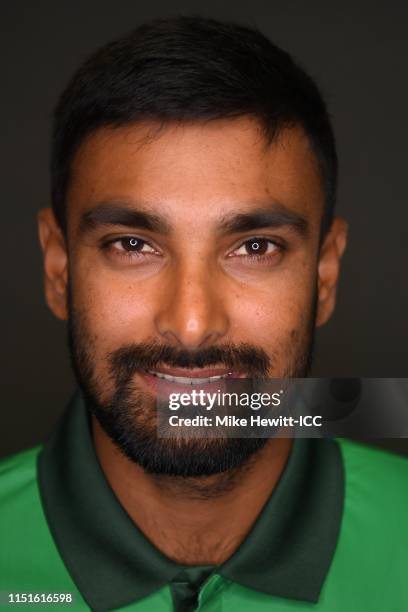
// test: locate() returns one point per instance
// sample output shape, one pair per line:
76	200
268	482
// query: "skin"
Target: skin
193	287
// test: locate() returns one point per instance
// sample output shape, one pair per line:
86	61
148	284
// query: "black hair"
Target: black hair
190	69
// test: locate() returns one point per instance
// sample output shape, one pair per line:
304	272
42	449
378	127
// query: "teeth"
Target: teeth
183	380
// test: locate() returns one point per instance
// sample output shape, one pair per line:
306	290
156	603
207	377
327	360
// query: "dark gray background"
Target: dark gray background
358	53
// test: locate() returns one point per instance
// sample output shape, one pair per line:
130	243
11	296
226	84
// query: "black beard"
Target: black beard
129	418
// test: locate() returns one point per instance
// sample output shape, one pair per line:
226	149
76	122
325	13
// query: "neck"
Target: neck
193	521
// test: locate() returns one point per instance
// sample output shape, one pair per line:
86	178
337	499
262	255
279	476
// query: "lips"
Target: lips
171	380
194	376
188	380
197	372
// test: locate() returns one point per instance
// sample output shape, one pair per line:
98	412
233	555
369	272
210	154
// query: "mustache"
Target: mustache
125	361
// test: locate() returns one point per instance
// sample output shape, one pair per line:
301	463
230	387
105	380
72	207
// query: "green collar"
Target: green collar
287	553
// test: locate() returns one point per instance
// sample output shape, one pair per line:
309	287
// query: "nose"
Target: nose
191	312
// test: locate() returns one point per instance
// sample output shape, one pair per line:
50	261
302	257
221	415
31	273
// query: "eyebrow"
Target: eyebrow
120	213
273	216
112	213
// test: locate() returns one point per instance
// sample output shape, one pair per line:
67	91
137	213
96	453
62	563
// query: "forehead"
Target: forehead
201	169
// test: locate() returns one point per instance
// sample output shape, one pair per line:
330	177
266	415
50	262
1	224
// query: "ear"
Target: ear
55	263
331	251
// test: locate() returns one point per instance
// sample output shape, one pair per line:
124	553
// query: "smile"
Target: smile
183	380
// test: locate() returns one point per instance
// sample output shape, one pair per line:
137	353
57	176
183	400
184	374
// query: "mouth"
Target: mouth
190	378
166	380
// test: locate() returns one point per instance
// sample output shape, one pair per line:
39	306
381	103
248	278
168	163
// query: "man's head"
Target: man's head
192	232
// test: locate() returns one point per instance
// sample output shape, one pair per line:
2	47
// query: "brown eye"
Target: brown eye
131	244
257	247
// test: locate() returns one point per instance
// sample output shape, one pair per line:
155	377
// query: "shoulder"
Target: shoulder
368	570
375	501
29	559
20	512
374	470
18	491
18	472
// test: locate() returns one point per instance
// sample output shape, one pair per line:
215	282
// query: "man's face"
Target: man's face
191	251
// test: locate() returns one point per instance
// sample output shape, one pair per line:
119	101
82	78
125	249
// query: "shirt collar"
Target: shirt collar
287	553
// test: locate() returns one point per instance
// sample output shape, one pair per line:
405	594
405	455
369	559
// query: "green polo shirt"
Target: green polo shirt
333	536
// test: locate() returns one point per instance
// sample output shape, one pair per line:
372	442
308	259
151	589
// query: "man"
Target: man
192	240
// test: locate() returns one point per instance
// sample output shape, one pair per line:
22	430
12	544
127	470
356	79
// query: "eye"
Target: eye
129	250
131	244
257	247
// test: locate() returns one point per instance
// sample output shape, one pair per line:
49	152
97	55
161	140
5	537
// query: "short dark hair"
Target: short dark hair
190	69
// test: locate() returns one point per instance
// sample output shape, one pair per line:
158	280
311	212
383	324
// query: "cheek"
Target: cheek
115	311
276	314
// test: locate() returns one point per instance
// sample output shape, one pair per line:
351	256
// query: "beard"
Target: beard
128	415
